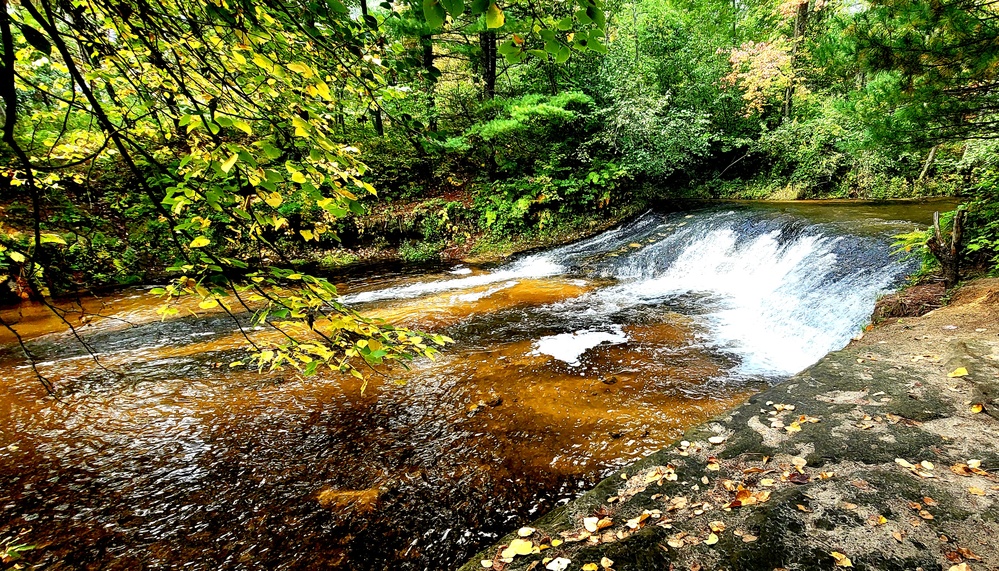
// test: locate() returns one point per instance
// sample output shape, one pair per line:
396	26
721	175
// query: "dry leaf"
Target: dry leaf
898	536
766	482
958	372
486	563
977	408
929	501
711	540
717	526
925	515
804	509
525	531
974	464
590	567
558	564
904	463
961	567
716	439
976	491
517	547
927	465
606	563
841	559
747	538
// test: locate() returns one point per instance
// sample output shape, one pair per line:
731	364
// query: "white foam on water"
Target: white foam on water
536	266
477	295
569	347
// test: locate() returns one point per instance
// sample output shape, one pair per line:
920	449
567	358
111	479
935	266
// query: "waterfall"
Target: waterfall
775	291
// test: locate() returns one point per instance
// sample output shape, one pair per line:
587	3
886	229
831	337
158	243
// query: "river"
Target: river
568	364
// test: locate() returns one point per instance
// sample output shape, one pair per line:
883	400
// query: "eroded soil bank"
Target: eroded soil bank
883	456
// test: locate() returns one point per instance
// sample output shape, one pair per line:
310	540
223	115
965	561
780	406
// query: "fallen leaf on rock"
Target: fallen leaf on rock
799	463
486	563
848	506
898	536
574	536
606	563
716	439
826	475
961	470
841	559
675	543
968	554
958	372
767	482
925	515
927	465
976	491
804	509
793	427
717	526
973	464
558	564
961	567
517	547
915	505
904	463
916	522
525	531
711	540
747	538
590	567
929	501
798	478
977	408
876	520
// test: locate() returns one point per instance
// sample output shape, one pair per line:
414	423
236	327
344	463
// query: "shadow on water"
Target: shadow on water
570	363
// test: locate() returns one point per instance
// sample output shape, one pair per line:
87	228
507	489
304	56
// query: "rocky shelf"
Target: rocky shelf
882	456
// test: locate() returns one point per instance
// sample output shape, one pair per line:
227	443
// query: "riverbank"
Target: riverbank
881	456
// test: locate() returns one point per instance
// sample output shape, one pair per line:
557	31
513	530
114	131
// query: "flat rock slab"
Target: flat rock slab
882	456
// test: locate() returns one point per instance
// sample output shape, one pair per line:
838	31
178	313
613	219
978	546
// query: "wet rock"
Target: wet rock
867	454
358	501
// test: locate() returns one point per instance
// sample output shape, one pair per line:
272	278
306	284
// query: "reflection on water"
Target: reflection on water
162	456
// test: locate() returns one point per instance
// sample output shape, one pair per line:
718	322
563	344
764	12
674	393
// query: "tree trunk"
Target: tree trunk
800	25
948	254
428	66
928	164
487	41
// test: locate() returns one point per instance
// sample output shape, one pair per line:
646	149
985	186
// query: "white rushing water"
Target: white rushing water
772	290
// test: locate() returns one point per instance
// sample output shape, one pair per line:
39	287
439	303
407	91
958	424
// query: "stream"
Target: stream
569	363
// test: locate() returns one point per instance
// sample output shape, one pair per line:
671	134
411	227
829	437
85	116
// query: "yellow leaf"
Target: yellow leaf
976	491
517	547
301	68
711	540
958	372
208	304
274	199
227	166
52	239
242	126
306	234
590	567
324	91
977	408
298	177
17	257
841	559
200	242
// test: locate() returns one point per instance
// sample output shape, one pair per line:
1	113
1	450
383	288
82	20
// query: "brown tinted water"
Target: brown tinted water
157	457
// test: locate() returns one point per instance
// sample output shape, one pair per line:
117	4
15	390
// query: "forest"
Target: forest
235	236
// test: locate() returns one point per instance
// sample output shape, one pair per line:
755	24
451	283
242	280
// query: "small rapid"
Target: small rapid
771	289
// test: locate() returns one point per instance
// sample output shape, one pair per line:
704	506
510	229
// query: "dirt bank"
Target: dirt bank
882	456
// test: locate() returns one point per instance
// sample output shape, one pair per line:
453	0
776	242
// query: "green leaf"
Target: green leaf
337	6
479	6
434	13
454	7
52	239
565	23
36	39
242	126
200	242
494	16
563	55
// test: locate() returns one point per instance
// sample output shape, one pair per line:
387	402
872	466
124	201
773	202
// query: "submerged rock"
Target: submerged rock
881	456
